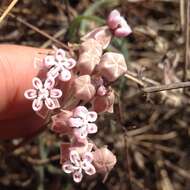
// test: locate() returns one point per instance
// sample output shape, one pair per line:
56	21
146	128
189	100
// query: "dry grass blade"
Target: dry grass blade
43	33
148	132
165	181
167	87
182	19
187	42
156	137
177	169
6	12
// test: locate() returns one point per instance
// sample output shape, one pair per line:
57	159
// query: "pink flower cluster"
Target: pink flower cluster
83	80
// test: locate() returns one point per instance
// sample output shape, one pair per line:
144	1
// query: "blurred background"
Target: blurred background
153	144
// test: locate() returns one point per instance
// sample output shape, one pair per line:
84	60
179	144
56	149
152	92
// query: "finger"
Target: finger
24	126
16	73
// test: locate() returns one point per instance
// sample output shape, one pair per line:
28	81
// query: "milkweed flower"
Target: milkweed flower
82	122
118	24
43	93
59	65
76	164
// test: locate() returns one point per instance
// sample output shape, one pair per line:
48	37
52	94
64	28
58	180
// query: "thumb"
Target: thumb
17	118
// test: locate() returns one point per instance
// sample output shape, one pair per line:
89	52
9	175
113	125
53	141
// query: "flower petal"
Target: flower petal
65	75
77	176
90	169
30	94
60	55
92	128
80	133
53	72
37	104
37	83
113	19
55	93
88	156
70	63
49	61
49	83
123	31
101	91
67	168
75	157
92	116
75	122
81	112
50	103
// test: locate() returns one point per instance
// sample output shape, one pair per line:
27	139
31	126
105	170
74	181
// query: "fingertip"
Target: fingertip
17	68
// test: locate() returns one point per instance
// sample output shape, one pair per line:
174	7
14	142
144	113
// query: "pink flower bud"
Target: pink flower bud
98	83
60	122
102	35
118	24
124	30
84	90
101	91
112	66
104	160
104	103
114	19
89	57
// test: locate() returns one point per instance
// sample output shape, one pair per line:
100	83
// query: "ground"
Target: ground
149	132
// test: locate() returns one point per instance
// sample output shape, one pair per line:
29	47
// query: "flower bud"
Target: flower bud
60	122
89	56
112	66
101	91
84	89
113	19
124	30
104	160
104	103
118	24
102	35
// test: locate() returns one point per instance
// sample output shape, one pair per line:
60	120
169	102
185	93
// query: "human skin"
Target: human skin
17	119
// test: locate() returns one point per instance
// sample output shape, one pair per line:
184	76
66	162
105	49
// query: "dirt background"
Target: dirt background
149	133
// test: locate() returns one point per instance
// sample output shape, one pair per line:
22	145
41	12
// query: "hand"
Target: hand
17	119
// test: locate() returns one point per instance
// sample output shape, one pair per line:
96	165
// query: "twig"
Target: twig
166	87
6	12
186	42
138	131
57	35
134	79
177	169
153	146
182	20
156	137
